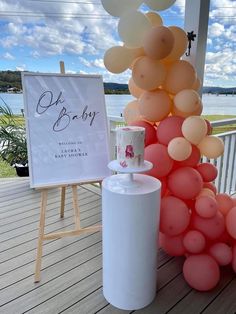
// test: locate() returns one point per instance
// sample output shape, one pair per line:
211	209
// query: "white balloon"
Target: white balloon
132	28
159	5
118	8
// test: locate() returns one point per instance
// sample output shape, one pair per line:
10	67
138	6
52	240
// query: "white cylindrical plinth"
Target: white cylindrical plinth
130	215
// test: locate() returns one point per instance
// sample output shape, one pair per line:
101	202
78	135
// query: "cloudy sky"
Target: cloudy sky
36	34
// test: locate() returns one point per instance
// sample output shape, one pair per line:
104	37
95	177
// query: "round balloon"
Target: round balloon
158	42
231	222
206	192
154	105
148	74
222	253
117	8
150	131
194	241
180	44
176	112
211	186
134	89
187	101
206	206
197	84
131	112
207	171
192	160
160	4
194	129
154	18
234	258
201	272
179	149
181	75
132	27
169	128
172	245
117	59
211	146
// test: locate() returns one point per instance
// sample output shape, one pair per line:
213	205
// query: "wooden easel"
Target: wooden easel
77	231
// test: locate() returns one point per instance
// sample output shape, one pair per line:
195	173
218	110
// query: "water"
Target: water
212	104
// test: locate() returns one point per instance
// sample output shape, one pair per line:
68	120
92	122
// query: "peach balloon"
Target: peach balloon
206	192
194	241
201	272
132	28
131	112
185	183
212	228
206	206
211	146
225	203
169	128
192	160
117	59
172	245
181	75
150	131
148	74
231	222
210	186
154	18
174	216
197	84
187	100
117	8
134	89
207	171
162	164
194	129
197	112
222	253
158	42
179	149
180	44
154	106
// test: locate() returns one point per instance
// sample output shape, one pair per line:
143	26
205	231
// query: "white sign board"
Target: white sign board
67	133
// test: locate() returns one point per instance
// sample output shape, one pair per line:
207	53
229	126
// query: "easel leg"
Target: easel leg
63	197
44	196
76	207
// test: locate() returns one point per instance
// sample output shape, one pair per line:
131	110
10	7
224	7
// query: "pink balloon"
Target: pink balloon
191	161
222	253
206	206
175	216
207	171
150	131
209	127
169	128
225	202
210	186
212	228
231	222
234	258
194	241
172	245
163	186
162	164
233	200
201	272
185	183
206	192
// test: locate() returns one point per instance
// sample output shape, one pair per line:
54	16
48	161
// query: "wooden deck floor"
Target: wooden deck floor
72	267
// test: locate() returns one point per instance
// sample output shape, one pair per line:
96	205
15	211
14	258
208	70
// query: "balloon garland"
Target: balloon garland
195	221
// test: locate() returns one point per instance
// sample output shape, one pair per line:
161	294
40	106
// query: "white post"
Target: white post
196	20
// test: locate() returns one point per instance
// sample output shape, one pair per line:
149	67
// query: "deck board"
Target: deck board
72	267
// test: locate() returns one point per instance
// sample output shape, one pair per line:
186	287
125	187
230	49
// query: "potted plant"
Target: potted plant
13	147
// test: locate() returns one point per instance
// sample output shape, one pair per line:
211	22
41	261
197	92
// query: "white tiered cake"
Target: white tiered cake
130	146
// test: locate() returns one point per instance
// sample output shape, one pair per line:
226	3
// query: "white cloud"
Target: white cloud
21	68
8	56
216	29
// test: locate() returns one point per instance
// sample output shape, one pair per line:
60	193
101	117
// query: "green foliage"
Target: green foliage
10	79
13	148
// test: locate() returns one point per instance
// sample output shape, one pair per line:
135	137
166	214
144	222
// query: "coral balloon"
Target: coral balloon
117	59
234	200
206	206
132	28
207	171
179	149
154	18
172	245
211	146
212	228
194	129
201	272
131	112
197	84
225	203
134	89
154	106
148	74
185	183
160	4
181	75
174	216
163	186
180	44
222	253
150	131
158	42
234	258
192	160
210	186
206	192
169	128
209	127
162	164
117	8
231	222
194	241
187	101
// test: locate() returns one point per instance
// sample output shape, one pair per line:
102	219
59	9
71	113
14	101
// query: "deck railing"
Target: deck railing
226	164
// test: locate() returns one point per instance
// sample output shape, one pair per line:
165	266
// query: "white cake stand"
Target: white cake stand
129	179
